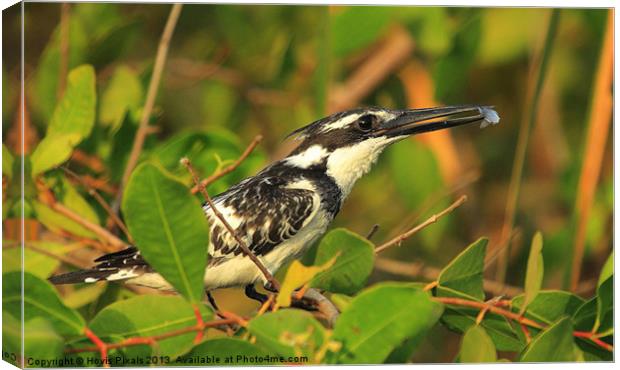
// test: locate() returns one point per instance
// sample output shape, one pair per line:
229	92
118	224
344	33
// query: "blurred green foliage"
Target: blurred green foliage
237	71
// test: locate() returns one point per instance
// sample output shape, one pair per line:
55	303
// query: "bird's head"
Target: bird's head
346	144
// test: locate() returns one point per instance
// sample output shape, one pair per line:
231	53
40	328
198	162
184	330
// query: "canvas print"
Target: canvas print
217	185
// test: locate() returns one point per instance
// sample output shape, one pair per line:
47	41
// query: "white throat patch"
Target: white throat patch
346	165
311	156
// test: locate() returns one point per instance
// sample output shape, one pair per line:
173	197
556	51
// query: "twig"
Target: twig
225	171
65	13
158	68
372	231
134	341
431	220
92	192
92	162
418	269
516	317
268	276
598	131
324	306
66	259
539	70
593	338
47	197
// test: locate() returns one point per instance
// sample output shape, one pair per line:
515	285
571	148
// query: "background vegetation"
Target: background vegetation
234	72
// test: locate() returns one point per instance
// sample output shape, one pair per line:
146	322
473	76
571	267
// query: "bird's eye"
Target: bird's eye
365	122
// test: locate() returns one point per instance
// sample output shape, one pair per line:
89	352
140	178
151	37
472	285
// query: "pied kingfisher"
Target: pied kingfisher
282	210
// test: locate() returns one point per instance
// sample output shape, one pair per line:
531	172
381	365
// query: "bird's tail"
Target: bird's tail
94	275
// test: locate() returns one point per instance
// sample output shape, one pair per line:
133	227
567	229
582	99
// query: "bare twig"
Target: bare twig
102	347
493	307
66	259
225	171
268	276
93	162
372	231
101	202
537	78
598	131
48	198
324	306
418	269
431	220
141	133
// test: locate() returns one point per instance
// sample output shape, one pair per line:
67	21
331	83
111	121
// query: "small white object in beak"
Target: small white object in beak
490	117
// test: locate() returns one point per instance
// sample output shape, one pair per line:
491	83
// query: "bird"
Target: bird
281	211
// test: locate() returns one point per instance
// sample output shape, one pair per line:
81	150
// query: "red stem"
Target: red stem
101	346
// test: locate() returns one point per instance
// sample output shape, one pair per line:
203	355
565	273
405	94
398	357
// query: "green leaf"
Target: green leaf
149	315
41	342
75	114
464	273
52	151
604	305
11	337
607	270
124	92
36	263
288	332
353	265
220	350
549	305
40	300
7	162
358	26
341	301
55	221
535	271
585	316
45	79
477	346
83	296
73	200
554	344
379	319
460	319
208	152
169	227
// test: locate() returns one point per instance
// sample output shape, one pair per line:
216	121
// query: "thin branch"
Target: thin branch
418	269
268	276
225	171
66	259
431	220
135	341
48	198
491	307
372	231
141	133
324	306
92	192
65	14
598	131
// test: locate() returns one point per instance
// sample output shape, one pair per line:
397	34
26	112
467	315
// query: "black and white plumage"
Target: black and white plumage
287	206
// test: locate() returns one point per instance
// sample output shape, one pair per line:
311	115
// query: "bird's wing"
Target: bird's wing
263	212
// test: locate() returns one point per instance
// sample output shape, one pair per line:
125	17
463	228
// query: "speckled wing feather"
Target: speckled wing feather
264	214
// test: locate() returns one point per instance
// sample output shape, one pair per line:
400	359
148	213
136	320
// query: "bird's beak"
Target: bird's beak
415	121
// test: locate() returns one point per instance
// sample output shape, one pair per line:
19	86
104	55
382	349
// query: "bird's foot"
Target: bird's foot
250	292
